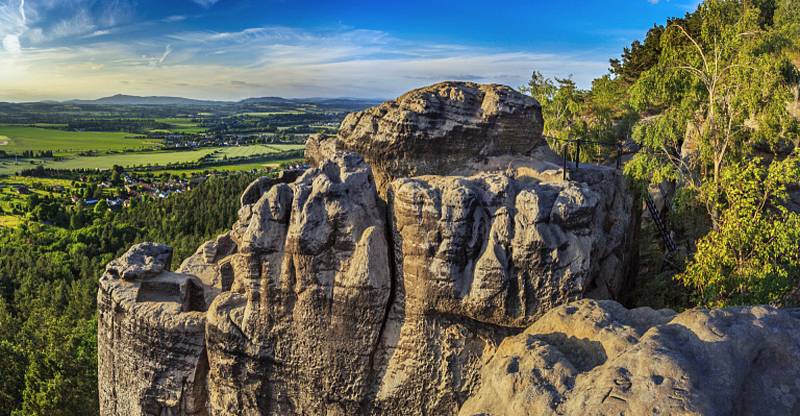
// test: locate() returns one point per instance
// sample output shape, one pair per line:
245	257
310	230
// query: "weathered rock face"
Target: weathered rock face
297	332
325	298
479	258
437	129
597	358
150	343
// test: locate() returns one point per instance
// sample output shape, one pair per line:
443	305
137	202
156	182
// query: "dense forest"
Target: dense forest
707	107
48	285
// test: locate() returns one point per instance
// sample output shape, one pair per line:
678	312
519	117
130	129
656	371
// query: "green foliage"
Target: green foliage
720	129
594	117
561	102
639	57
48	285
721	93
753	256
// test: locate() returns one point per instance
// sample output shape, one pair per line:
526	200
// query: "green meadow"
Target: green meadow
16	139
256	149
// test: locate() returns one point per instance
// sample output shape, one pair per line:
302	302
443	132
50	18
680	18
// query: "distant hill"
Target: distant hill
268	101
348	103
121	99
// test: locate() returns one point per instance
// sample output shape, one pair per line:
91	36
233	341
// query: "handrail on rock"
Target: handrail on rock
578	143
669	243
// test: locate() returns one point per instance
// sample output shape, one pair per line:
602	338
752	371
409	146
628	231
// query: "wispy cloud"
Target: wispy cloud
80	52
174	18
276	61
206	3
13	23
167	51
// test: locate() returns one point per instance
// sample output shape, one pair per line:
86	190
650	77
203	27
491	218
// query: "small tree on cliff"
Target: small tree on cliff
722	93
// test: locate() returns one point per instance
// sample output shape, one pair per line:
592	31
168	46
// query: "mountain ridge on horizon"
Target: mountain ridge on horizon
125	99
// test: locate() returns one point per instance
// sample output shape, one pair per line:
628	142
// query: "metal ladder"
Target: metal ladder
656	216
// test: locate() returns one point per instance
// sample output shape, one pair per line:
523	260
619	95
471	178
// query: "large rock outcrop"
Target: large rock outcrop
437	129
311	281
355	289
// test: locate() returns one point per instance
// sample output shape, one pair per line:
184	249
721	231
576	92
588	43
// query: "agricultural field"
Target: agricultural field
9	221
11	197
130	159
16	139
155	158
221	137
237	167
254	150
274	113
179	125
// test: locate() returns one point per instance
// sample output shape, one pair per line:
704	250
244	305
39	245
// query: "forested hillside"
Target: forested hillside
707	107
48	285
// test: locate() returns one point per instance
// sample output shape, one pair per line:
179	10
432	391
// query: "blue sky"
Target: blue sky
232	49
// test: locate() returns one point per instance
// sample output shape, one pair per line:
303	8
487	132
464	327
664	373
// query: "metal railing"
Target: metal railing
577	143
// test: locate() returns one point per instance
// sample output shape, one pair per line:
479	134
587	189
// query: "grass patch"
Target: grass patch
10	221
247	166
285	147
246	151
130	160
180	126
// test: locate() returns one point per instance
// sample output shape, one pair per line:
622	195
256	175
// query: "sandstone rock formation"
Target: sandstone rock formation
354	289
457	292
437	129
598	358
150	337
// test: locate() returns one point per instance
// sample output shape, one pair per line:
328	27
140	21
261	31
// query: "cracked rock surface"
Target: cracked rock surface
323	299
598	358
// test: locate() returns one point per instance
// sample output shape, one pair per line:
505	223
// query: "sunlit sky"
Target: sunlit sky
233	49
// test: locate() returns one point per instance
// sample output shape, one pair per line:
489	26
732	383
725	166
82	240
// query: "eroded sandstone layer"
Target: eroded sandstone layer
355	289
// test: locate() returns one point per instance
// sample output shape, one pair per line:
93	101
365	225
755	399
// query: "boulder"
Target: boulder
141	261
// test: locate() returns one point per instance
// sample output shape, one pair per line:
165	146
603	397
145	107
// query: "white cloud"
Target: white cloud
79	23
175	18
167	51
97	33
11	44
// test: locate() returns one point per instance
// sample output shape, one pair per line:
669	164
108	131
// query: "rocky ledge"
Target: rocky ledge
397	283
